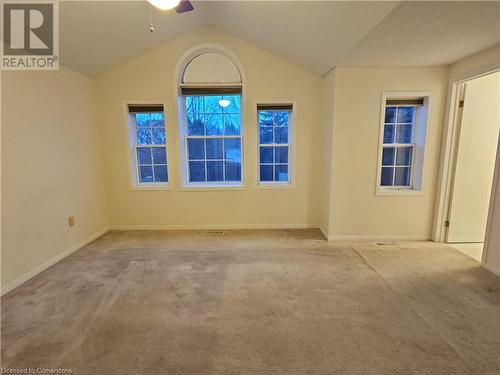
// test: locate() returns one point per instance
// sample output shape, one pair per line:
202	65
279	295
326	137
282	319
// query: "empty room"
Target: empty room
250	187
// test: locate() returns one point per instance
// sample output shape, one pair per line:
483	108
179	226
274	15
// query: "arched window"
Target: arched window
210	98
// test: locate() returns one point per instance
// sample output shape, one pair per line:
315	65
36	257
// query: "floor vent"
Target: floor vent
215	232
386	243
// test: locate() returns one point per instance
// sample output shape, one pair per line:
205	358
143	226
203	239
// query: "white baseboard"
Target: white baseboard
212	226
409	237
21	280
492	269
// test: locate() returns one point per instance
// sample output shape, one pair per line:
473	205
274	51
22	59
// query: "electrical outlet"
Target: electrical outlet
71	221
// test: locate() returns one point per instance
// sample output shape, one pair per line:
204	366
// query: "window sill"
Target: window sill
398	192
210	187
150	187
275	185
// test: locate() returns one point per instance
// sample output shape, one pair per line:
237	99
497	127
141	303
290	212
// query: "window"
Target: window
274	143
212	136
148	144
403	140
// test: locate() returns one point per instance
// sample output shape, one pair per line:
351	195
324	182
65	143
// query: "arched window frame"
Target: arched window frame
182	65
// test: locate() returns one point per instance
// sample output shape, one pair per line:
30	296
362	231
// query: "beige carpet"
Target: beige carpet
255	302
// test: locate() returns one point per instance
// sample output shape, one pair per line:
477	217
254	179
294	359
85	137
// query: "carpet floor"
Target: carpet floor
255	302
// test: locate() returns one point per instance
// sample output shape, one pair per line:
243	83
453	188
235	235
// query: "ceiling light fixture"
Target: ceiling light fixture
165	4
224	103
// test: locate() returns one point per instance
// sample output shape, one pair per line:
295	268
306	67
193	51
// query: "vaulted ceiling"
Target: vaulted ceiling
96	35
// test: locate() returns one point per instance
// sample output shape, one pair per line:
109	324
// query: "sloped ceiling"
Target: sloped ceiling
96	35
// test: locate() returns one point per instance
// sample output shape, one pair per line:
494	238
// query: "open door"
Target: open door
475	160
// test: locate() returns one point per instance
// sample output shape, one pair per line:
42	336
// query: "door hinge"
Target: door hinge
460	104
447	223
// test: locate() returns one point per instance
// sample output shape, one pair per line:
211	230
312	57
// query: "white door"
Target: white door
475	160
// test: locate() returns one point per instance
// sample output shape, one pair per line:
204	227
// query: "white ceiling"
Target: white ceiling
96	35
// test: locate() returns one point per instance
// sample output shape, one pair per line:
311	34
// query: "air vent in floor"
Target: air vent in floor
386	243
215	232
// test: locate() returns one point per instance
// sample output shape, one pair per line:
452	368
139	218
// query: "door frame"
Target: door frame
449	149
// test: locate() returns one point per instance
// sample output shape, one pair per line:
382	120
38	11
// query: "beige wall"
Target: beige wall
356	210
491	256
150	77
475	160
479	63
51	167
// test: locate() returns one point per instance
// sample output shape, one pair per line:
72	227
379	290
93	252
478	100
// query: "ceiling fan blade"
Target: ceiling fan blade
184	6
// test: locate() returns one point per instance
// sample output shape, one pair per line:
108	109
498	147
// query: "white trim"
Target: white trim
131	147
211	226
418	122
448	145
493	270
292	143
179	70
21	280
389	237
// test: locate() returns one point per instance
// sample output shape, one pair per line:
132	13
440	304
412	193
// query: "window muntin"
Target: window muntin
274	145
213	139
398	147
148	140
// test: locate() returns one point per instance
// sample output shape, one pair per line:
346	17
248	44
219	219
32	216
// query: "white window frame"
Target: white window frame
131	131
419	143
183	133
290	184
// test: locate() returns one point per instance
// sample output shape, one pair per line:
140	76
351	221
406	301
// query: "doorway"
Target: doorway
474	154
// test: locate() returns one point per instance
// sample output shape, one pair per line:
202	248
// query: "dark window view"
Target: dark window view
274	145
151	151
213	138
397	152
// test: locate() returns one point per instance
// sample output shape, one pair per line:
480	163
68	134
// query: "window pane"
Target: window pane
232	125
266	135
266	173
388	134
405	114
144	155
146	174
142	119
266	154
387	174
195	105
197	171
390	115
158	136
403	156
212	104
157	119
159	155
144	136
388	156
160	173
215	171
195	126
234	104
232	148
403	134
196	149
402	177
214	148
233	171
281	134
266	118
213	124
281	118
281	173
281	154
